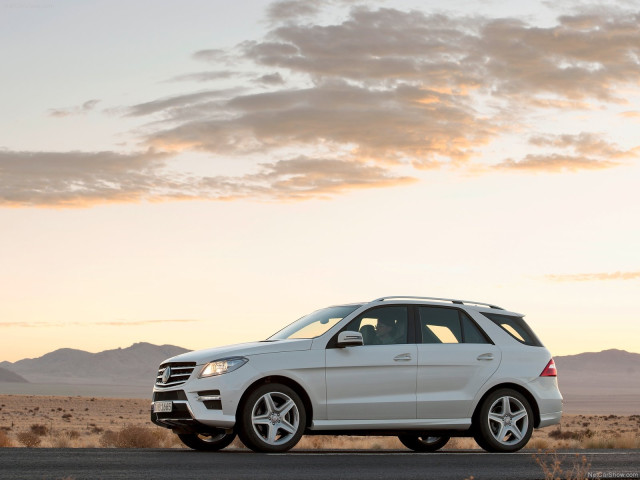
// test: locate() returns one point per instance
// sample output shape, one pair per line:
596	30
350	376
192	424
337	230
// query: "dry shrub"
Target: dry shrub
553	468
5	441
38	429
29	439
61	441
108	439
132	437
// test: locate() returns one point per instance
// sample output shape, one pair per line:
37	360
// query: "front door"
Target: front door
375	381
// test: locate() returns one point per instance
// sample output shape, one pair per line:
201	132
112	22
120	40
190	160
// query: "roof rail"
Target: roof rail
452	300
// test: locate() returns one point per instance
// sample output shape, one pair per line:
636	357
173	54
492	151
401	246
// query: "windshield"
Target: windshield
315	324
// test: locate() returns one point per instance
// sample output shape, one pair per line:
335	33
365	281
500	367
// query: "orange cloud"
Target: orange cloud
588	277
117	323
586	151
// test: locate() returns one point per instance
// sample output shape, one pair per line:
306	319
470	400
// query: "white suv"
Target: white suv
424	369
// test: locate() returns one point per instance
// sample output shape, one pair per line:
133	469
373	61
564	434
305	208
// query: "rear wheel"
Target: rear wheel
273	419
423	443
208	442
504	422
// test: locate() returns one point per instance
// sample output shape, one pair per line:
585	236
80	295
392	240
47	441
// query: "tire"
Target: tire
272	419
504	422
423	443
207	442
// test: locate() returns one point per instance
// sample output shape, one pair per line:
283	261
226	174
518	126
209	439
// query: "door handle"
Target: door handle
403	357
485	356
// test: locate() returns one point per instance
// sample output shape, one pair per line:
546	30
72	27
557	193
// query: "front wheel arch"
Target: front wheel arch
306	401
513	386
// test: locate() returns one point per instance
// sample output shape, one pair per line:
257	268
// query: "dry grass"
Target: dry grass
132	436
82	422
554	469
5	441
625	441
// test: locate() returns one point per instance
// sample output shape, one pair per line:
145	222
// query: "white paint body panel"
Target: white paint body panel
450	375
397	387
374	382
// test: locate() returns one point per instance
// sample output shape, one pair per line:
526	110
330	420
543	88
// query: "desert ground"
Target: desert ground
68	422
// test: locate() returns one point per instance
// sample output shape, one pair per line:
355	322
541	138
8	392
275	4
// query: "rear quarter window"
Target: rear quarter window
516	327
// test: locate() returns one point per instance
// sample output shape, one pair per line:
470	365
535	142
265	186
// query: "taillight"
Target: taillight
550	370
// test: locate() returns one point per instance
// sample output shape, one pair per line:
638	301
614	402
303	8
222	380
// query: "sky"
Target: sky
202	173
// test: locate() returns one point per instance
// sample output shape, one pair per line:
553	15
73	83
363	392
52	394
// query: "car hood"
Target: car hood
243	349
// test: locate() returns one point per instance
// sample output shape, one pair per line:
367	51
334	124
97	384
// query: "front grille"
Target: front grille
180	373
168	396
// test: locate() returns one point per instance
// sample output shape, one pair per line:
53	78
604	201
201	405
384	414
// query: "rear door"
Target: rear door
455	358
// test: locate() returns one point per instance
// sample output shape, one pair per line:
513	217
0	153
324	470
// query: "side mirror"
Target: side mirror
349	339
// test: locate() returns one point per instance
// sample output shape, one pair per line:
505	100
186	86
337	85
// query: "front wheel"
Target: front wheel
207	442
504	422
419	443
273	419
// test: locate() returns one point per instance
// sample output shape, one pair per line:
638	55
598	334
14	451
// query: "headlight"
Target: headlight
224	365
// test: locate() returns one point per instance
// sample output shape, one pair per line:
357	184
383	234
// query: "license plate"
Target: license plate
159	407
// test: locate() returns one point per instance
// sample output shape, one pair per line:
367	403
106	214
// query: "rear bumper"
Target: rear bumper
549	399
547	419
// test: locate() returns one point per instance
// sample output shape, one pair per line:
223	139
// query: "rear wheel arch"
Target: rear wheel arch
306	401
513	386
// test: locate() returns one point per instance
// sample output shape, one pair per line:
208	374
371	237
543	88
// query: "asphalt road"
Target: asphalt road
77	464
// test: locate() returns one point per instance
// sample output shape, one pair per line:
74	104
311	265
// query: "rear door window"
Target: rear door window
448	325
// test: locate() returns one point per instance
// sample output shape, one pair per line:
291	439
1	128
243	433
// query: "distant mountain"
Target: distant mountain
616	371
11	377
606	359
606	382
134	365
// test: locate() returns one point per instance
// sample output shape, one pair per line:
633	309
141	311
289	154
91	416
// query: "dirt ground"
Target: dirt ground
49	421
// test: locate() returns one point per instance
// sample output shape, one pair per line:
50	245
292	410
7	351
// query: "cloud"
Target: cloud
205	76
399	124
80	179
83	109
630	114
584	144
302	178
409	88
210	55
83	179
367	97
555	163
587	277
119	323
585	151
271	79
286	10
584	56
132	323
169	105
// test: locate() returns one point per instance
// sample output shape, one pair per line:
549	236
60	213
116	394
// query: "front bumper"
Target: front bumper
199	404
